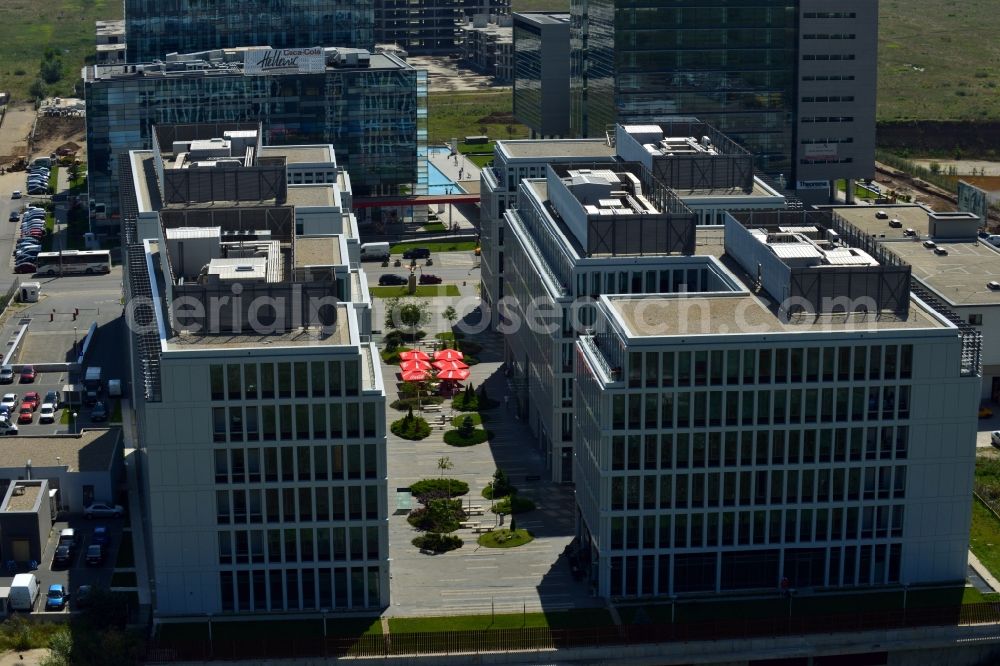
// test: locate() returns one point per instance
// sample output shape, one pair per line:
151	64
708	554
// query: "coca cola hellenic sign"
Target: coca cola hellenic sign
283	61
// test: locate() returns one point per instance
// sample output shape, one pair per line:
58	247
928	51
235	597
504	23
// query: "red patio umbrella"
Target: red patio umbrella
414	375
448	355
450	365
415	364
457	374
414	354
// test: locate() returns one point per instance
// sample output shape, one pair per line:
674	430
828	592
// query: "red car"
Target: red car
427	278
28	374
32	398
26	414
25	268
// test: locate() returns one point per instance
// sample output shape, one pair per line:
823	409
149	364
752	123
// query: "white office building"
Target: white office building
804	422
260	412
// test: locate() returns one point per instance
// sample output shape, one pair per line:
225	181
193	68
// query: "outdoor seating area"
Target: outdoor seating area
441	374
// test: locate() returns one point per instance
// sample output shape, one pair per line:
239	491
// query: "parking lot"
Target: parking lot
78	572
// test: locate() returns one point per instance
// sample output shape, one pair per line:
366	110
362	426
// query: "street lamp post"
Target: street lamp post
673	608
73	431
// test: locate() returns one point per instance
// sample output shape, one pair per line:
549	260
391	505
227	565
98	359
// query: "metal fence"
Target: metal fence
526	639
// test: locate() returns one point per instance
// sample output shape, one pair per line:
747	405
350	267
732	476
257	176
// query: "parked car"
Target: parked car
83	596
9	399
52	398
99	413
56	599
16	194
895	224
7	374
48	414
416	253
101	510
14	217
26	414
427	278
995	438
95	554
63	556
100	535
389	280
28	374
881	215
32	398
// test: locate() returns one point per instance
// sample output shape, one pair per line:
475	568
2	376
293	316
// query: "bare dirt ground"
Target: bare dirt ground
932	197
14	131
26	658
448	74
50	134
53	132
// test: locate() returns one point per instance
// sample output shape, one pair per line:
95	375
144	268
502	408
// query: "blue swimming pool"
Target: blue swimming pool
438	182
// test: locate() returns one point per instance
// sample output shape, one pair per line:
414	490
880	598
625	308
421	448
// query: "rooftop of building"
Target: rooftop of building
316	154
750	314
962	276
312	195
23	495
92	450
910	216
113	27
760	190
582	149
317	251
230	62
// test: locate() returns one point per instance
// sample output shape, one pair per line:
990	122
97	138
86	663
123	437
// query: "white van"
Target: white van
24	592
374	251
993	239
114	388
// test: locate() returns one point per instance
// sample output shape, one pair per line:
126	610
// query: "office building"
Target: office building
260	413
487	46
708	172
792	82
154	28
371	107
423	27
801	422
951	263
541	73
110	41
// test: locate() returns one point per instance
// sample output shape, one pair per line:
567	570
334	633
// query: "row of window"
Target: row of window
829	15
300	379
842	35
826	119
296	463
269	423
288	545
299	505
830	98
300	589
762	448
765	487
826	160
766	366
646	575
828	77
666	409
843	139
755	528
829	56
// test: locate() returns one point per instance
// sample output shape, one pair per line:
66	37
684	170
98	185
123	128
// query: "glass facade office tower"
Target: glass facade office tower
733	67
374	115
154	28
541	73
791	81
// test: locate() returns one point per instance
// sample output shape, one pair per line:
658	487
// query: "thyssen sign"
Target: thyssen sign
283	61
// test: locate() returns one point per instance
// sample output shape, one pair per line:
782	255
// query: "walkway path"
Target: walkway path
983	572
534	577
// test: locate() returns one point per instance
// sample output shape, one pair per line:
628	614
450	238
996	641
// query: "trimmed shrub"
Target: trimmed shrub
477	436
438	543
410	427
477	419
404	404
439	515
513	504
428	489
499	487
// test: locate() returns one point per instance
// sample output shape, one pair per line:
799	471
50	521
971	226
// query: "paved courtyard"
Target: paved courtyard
473	579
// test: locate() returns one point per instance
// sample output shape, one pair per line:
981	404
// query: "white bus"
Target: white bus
69	262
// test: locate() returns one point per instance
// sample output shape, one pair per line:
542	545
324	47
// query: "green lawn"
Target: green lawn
984	539
443	246
116	412
505	538
425	291
436	227
79	184
579	619
54	178
27	27
455	115
481	160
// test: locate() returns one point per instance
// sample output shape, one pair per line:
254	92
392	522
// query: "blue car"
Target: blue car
100	535
56	599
